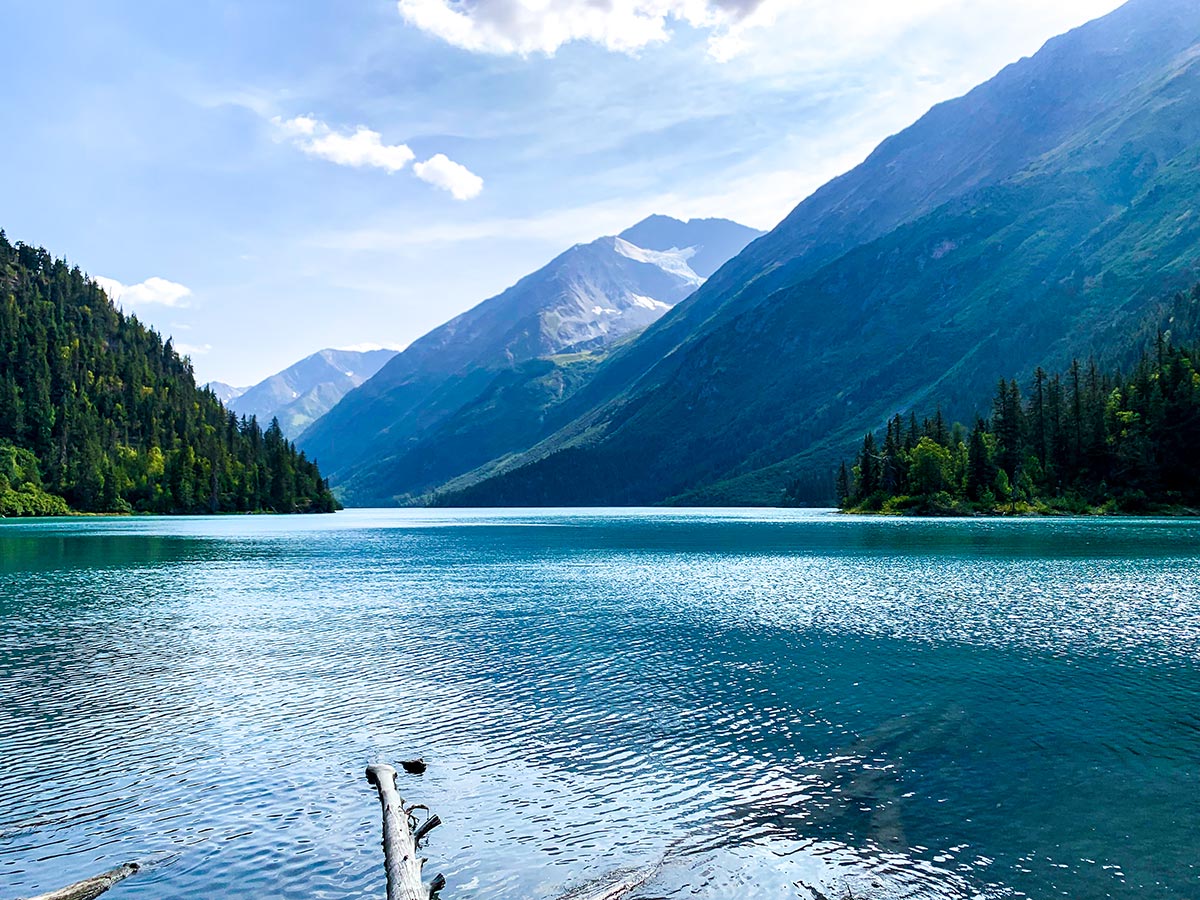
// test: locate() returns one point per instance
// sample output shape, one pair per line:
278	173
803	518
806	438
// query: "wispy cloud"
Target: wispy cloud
445	173
192	349
520	27
152	291
759	198
364	148
808	31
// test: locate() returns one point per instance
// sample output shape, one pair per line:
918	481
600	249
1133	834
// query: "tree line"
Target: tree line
98	411
1081	440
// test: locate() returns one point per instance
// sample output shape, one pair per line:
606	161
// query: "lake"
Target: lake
754	703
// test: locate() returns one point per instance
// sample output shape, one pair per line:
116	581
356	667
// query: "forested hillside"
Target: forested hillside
97	411
1075	441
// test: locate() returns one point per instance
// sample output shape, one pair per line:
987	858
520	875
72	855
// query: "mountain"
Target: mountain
302	393
711	242
224	392
1033	219
96	410
583	302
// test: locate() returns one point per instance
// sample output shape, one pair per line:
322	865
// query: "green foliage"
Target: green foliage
109	417
930	467
1083	441
21	491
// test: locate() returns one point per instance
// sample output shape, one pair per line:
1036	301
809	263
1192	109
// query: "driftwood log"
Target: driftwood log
92	887
400	837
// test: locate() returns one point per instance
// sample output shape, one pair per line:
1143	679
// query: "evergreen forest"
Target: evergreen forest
1083	440
99	414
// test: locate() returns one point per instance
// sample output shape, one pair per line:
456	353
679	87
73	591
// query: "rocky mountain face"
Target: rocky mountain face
584	301
1033	219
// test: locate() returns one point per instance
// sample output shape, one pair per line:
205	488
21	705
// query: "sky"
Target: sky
260	180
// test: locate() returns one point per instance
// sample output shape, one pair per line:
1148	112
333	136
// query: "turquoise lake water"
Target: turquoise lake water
755	704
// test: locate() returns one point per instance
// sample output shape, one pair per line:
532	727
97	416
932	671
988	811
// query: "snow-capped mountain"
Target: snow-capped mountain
302	393
588	297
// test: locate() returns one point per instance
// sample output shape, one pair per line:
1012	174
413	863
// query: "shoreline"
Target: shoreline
1030	512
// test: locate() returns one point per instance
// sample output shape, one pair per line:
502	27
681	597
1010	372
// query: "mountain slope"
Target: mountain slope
587	298
1018	224
511	413
305	391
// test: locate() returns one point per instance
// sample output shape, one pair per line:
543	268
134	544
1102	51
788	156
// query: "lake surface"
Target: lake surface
756	704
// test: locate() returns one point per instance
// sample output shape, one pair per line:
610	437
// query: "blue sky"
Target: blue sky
264	179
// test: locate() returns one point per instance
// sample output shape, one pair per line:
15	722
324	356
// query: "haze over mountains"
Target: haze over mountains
580	303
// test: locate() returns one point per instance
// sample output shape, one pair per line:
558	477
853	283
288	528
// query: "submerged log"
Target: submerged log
400	837
611	888
91	887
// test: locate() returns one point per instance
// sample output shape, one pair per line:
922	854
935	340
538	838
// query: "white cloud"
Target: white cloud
759	194
156	290
363	147
450	176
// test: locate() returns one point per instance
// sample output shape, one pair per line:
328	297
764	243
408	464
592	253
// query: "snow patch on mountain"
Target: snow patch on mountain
225	392
674	261
586	298
650	303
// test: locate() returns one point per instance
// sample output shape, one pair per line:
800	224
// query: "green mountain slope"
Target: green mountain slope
96	409
1027	222
513	412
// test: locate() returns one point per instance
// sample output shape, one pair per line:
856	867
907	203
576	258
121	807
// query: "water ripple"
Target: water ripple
765	704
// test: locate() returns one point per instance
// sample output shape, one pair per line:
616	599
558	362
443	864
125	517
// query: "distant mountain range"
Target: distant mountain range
225	392
513	353
1035	218
305	391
